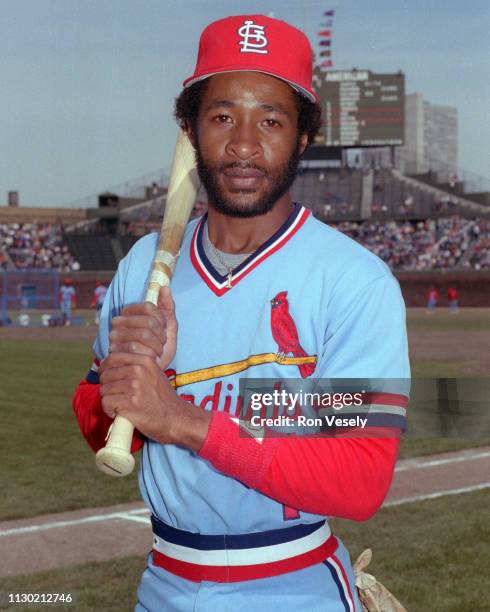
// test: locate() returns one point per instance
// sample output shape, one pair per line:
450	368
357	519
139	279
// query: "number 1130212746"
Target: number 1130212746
35	598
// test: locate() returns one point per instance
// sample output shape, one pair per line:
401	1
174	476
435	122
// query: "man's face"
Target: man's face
247	142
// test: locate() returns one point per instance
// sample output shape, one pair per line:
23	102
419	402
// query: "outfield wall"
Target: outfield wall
473	286
84	283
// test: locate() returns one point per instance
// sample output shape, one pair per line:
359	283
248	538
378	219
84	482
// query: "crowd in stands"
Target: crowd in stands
480	257
423	245
32	245
401	245
432	244
454	237
4	260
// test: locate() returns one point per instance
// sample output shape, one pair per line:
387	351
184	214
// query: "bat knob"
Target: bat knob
115	462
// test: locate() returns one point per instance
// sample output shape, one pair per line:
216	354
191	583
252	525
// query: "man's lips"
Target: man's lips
243	178
243	172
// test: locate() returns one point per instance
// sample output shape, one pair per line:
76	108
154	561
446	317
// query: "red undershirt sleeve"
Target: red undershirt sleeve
92	420
343	477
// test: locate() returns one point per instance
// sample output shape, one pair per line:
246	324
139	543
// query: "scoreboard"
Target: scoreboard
361	108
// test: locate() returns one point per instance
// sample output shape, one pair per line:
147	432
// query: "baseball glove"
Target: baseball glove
373	595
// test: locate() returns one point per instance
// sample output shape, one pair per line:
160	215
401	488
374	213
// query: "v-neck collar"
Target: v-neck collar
218	283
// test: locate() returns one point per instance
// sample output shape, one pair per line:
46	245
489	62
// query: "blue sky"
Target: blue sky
87	86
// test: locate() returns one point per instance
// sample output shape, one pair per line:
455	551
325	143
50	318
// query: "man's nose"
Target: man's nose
244	142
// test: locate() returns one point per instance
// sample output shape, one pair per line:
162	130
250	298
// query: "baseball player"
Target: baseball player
261	290
66	299
100	292
453	300
432	299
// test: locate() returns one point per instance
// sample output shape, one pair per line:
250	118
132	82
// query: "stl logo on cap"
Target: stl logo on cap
254	39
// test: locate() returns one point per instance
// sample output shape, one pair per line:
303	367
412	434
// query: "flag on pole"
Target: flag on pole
325	39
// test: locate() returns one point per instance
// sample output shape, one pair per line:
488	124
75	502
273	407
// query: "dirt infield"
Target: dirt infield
100	534
470	348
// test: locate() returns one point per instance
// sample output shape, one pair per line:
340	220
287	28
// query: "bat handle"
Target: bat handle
115	459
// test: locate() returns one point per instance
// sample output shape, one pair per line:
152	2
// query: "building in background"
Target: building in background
431	141
431	138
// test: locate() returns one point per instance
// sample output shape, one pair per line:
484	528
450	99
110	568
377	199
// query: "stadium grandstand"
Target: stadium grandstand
409	223
429	220
414	225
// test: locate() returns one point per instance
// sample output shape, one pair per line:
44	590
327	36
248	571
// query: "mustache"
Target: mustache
242	166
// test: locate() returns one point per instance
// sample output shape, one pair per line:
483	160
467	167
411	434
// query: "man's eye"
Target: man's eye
271	123
222	118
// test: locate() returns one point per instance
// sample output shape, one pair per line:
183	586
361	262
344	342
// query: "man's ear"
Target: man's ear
190	134
303	143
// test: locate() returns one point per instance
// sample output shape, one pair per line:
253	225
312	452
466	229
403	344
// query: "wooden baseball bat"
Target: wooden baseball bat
115	458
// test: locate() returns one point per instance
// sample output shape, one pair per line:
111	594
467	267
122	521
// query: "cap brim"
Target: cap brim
305	92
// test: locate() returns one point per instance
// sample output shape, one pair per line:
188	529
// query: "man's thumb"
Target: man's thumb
165	303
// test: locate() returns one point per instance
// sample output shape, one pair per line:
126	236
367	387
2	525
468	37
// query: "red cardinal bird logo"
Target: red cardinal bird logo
285	333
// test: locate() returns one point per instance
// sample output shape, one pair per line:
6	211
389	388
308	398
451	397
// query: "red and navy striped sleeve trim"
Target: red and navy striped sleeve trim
381	410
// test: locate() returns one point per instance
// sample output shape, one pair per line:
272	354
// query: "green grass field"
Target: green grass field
48	467
447	345
467	319
431	555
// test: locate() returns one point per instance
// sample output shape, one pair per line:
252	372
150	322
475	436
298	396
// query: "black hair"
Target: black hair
187	109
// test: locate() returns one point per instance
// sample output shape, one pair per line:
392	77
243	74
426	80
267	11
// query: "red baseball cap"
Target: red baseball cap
256	43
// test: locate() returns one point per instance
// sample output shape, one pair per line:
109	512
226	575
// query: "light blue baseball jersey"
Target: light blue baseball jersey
349	318
67	292
99	295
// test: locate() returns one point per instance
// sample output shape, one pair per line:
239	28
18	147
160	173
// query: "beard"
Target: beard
278	181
